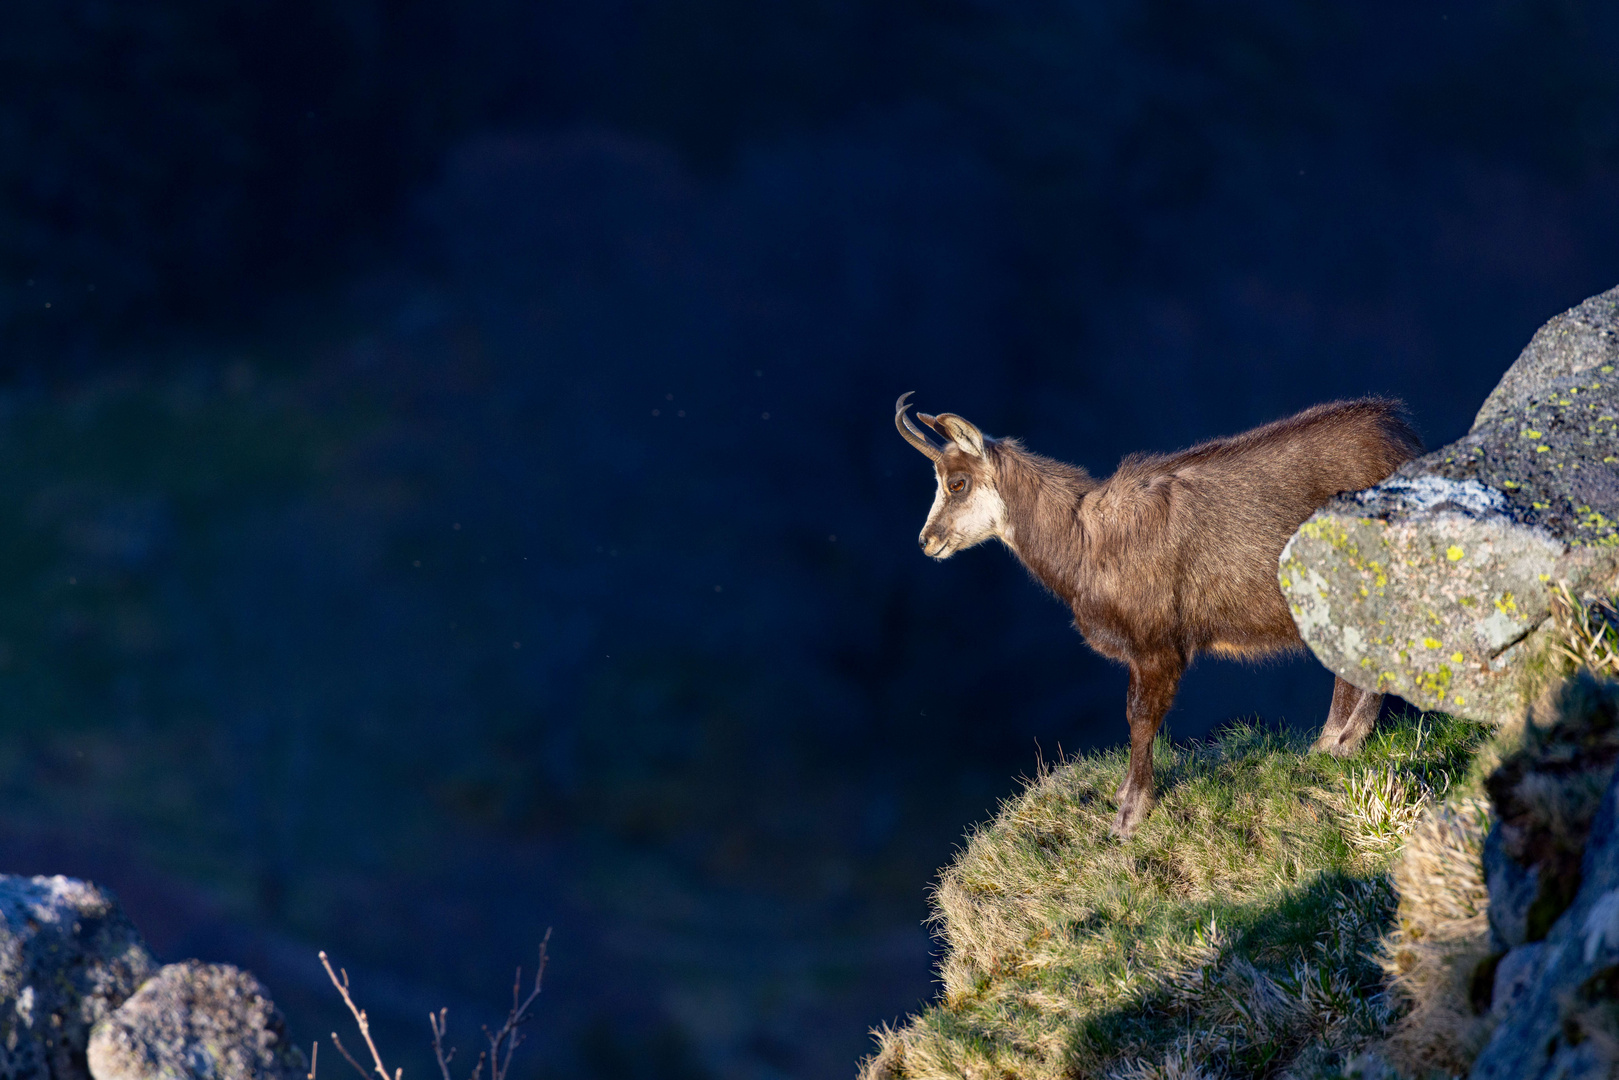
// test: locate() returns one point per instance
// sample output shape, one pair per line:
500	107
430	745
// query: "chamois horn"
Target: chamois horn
911	433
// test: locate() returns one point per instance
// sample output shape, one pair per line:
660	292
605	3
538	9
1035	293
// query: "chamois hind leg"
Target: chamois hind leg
1154	679
1354	712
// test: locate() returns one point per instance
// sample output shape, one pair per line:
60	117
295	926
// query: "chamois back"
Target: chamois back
1194	537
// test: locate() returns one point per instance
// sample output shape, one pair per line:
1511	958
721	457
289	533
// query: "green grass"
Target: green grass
1234	935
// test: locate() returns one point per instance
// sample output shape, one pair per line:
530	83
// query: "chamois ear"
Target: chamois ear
966	437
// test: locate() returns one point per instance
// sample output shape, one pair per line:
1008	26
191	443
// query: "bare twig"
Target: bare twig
438	1022
522	1011
360	1020
501	1043
348	1057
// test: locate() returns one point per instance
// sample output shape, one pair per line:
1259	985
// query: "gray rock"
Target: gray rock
1574	344
1564	1022
195	1020
1512	889
1434	584
1515	976
68	957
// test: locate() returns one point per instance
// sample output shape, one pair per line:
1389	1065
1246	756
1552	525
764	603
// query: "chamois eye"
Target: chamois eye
958	485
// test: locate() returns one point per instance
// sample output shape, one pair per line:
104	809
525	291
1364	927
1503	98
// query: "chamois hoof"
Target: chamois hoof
1133	810
1340	744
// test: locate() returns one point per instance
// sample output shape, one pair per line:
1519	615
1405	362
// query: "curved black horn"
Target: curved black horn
910	431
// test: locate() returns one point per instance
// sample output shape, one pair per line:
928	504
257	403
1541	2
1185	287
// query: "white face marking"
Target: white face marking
960	524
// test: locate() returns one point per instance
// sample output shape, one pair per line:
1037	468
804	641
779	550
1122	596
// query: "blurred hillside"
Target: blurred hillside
467	501
190	161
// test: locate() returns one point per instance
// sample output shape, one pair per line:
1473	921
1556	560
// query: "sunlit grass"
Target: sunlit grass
1235	934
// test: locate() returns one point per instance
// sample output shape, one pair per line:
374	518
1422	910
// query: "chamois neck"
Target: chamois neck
1042	497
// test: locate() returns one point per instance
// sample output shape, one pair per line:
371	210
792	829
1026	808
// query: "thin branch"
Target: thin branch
348	1057
502	1043
359	1019
438	1022
509	1034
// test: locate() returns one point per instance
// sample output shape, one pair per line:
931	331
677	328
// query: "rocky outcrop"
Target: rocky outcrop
78	999
208	1021
1434	585
68	957
1555	990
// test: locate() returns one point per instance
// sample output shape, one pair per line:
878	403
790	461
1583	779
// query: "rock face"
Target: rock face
1433	584
68	957
1558	999
1551	862
207	1021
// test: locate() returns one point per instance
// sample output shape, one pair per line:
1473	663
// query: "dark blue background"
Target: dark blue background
558	627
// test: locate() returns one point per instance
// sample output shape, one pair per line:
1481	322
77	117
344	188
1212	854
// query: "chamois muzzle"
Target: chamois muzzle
911	433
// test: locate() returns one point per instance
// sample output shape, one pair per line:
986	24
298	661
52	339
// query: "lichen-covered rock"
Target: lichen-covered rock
207	1021
68	957
1433	585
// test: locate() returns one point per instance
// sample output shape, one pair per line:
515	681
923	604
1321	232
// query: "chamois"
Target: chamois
1174	554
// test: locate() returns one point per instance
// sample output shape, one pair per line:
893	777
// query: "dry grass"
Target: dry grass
1232	936
1581	634
1586	631
1440	937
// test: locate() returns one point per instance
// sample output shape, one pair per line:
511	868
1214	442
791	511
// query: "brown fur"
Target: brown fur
1175	554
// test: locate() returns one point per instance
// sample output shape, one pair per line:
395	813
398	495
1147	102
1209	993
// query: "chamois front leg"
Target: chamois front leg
1353	714
1154	678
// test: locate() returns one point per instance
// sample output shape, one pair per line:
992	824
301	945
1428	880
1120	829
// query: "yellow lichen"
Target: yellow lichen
1436	682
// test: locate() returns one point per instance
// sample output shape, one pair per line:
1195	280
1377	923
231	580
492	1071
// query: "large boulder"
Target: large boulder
68	957
1435	584
204	1021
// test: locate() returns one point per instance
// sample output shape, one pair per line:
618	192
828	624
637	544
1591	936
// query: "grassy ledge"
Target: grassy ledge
1236	934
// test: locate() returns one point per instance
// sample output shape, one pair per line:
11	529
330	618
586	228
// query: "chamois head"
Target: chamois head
967	509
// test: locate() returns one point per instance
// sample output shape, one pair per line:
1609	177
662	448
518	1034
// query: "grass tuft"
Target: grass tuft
1237	934
1586	632
1441	935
